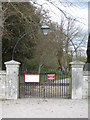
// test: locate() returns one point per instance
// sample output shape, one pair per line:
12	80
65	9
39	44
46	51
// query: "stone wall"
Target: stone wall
2	84
86	84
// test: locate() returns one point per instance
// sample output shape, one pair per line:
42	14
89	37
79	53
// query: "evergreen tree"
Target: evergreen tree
21	23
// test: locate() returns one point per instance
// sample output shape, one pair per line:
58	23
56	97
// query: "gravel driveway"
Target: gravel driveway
44	108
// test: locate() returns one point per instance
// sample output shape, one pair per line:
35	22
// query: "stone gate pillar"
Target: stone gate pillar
77	79
12	79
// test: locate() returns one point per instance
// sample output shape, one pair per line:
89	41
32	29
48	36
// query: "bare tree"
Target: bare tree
68	32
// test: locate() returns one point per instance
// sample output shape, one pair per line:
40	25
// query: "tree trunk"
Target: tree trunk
40	68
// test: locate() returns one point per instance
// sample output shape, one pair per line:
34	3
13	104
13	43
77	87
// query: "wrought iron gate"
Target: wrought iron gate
58	88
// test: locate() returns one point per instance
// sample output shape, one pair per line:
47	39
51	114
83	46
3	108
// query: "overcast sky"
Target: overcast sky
77	8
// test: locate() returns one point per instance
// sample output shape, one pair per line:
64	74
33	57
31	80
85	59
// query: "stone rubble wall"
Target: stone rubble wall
2	84
86	85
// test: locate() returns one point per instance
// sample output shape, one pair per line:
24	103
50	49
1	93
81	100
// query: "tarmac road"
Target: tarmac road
44	108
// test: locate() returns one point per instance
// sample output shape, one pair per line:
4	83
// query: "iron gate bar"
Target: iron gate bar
53	88
64	85
49	88
24	89
44	85
59	86
69	84
28	88
34	89
55	85
39	89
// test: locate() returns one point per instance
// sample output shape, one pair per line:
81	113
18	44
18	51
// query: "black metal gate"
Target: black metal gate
58	88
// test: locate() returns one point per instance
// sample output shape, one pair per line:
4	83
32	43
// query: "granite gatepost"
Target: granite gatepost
77	79
12	79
